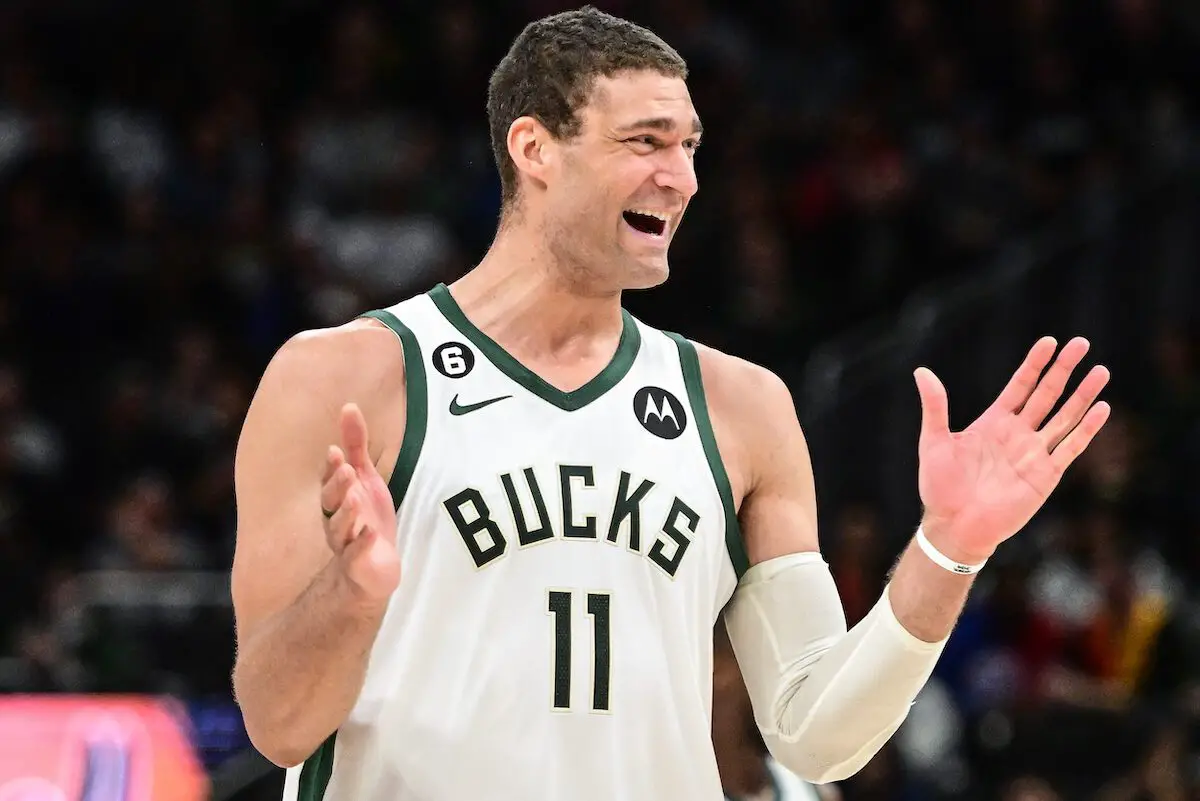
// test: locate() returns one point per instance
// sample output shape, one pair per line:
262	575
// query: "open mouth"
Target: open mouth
648	222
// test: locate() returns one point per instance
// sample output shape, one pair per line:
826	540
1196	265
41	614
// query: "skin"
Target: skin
324	428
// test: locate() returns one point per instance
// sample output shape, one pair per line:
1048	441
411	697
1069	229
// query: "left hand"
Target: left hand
981	485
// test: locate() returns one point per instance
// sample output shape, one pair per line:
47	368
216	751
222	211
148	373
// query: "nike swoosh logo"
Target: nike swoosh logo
457	409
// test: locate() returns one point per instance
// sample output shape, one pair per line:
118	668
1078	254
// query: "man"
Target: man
572	497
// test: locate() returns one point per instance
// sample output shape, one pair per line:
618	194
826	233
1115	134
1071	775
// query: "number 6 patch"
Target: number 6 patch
453	359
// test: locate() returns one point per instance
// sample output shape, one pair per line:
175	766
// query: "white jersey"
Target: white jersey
565	556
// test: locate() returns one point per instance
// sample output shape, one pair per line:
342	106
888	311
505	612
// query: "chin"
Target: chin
644	274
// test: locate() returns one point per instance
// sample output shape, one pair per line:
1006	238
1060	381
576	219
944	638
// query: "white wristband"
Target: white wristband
941	560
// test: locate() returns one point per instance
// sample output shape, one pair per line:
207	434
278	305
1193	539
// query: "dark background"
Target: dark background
883	184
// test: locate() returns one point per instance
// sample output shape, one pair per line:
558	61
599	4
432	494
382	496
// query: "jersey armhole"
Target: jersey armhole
317	770
694	384
416	405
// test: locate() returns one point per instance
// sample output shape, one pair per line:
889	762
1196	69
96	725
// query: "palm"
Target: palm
992	471
984	483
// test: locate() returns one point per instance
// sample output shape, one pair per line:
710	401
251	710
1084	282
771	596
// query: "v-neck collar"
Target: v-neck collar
622	360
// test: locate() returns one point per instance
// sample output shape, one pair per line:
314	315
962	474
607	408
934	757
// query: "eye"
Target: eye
691	145
646	140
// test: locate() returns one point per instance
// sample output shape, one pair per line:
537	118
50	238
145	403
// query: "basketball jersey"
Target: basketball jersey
565	556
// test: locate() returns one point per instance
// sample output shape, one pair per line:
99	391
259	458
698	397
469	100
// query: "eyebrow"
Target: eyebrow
664	124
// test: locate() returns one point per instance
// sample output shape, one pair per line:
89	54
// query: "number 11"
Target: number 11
559	605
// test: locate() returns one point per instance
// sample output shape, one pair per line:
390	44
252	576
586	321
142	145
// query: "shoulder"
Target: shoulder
349	350
360	358
764	451
736	386
316	372
751	405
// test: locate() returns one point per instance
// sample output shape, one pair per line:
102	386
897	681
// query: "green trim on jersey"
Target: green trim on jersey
416	405
695	389
609	377
318	768
314	776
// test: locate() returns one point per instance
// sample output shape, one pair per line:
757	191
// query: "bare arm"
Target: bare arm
815	686
305	626
778	514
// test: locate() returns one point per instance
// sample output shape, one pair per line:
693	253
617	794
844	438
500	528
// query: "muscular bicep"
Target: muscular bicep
761	442
779	513
277	479
280	462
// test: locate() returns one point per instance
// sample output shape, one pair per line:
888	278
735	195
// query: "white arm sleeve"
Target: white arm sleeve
825	699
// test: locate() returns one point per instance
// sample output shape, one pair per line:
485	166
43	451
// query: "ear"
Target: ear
530	146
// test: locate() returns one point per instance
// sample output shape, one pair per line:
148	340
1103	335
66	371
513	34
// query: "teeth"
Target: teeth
658	215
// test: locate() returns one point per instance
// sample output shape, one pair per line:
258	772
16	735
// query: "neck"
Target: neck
522	297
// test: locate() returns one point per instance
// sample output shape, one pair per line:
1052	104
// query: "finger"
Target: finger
935	407
1025	379
1080	437
1068	417
1051	387
333	491
334	458
354	437
346	522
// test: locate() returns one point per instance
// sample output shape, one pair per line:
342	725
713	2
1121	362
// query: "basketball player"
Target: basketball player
484	535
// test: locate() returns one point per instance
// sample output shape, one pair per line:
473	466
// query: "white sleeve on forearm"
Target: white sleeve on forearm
825	699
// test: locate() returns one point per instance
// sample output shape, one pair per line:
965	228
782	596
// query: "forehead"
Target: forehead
645	94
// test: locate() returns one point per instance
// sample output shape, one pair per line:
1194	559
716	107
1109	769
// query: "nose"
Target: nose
677	171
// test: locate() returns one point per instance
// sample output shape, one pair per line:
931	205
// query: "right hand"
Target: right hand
361	531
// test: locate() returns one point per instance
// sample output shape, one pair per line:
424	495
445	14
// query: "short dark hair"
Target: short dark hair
549	71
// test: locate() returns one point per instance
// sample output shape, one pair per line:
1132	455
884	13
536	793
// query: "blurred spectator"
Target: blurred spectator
1029	788
747	770
858	561
183	188
143	532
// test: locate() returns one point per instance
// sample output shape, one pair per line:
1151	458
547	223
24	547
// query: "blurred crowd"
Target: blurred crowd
184	186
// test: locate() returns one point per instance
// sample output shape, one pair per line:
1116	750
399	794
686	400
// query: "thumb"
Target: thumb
935	408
